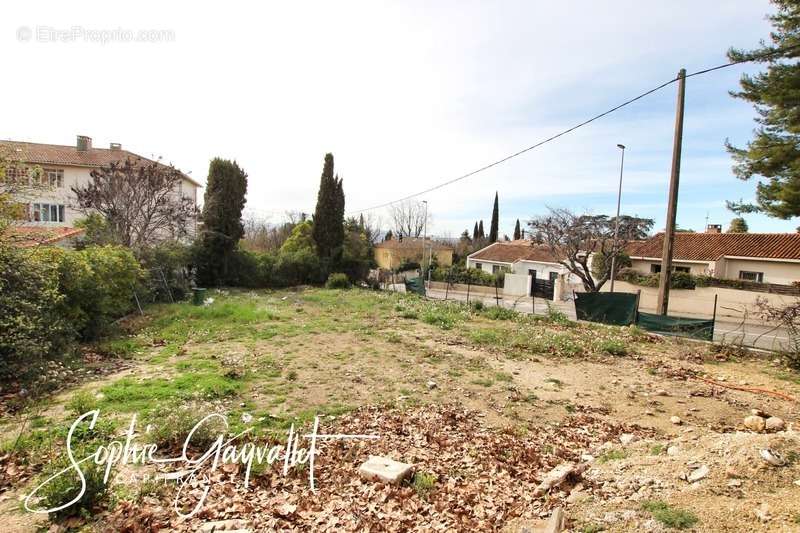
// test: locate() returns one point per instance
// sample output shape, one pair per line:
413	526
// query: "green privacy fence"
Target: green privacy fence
415	285
675	325
622	309
617	308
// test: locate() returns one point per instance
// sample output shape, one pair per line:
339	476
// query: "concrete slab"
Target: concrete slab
385	470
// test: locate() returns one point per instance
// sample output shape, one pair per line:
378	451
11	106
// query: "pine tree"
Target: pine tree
222	220
481	234
517	232
493	229
329	217
475	232
774	153
738	225
388	236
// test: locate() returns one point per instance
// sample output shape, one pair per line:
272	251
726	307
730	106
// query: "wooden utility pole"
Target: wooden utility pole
672	205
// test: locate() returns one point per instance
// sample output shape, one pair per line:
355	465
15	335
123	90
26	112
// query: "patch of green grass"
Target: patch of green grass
125	348
484	336
483	382
591	528
503	376
555	381
657	449
672	517
612	455
423	484
128	394
613	347
500	313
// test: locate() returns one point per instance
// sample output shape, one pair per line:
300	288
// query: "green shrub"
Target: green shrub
67	486
98	284
337	280
31	324
80	403
169	267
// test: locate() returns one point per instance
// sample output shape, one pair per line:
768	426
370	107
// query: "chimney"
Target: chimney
115	146
84	143
714	228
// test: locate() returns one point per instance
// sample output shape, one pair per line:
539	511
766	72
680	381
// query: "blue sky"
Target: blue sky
406	95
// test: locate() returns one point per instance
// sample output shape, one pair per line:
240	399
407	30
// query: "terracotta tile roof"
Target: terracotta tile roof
57	154
510	252
27	236
712	246
409	242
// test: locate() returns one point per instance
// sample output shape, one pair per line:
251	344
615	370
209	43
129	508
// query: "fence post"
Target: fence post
496	296
714	317
636	313
469	284
447	284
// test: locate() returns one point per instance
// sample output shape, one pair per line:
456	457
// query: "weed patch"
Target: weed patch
670	516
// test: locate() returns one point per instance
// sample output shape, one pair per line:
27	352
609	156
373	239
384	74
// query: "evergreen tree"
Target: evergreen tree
329	217
481	234
475	232
388	236
493	229
774	152
517	232
738	225
222	220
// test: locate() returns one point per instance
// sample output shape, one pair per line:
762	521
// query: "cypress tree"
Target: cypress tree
517	232
493	229
481	234
328	232
224	200
475	232
388	236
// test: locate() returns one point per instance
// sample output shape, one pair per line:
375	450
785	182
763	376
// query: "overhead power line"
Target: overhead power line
571	129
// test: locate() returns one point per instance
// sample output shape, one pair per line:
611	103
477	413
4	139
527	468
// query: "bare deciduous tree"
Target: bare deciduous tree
408	218
584	244
140	201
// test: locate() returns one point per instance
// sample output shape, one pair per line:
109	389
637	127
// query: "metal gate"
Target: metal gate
541	288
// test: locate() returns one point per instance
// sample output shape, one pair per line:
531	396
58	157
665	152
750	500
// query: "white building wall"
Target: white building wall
80	177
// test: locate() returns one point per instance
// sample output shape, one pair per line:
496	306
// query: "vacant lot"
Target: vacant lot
483	401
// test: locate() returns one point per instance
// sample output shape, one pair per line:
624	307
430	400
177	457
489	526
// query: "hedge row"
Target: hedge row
50	297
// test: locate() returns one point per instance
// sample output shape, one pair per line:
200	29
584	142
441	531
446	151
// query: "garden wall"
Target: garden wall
700	301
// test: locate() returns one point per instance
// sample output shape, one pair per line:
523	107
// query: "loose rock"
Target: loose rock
698	474
676	420
755	423
385	470
627	438
774	423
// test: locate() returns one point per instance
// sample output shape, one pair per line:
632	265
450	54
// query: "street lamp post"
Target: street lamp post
616	220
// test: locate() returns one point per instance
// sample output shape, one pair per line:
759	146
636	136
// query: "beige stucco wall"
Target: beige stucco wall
700	301
697	269
487	266
391	258
783	273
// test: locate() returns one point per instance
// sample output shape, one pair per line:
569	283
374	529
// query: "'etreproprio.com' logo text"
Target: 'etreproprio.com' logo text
80	34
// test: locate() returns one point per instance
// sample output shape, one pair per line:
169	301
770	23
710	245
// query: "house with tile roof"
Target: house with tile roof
520	257
760	257
64	167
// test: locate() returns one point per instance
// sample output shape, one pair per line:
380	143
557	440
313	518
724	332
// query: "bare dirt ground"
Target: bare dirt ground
486	407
